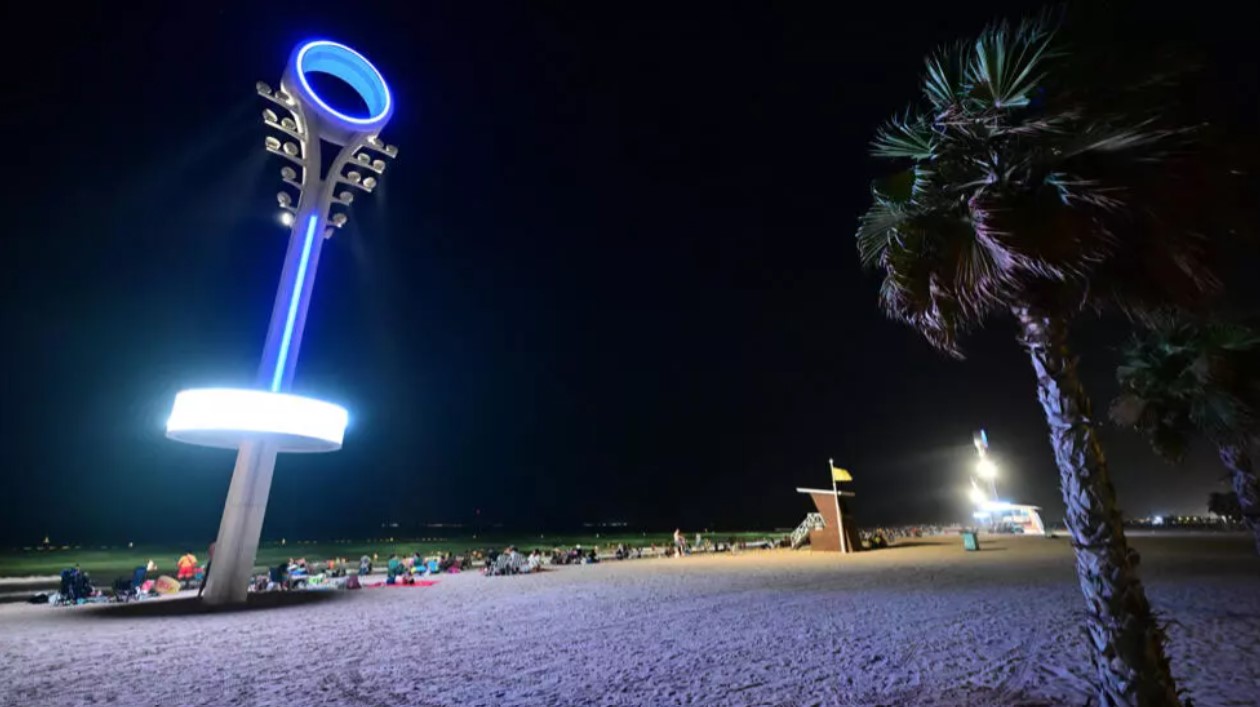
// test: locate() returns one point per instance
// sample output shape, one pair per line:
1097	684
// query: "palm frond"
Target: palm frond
904	137
943	82
1007	63
1191	377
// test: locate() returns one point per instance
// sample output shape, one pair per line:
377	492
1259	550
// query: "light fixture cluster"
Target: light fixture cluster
290	143
359	165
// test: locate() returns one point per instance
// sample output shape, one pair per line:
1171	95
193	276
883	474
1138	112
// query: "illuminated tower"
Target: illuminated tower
263	421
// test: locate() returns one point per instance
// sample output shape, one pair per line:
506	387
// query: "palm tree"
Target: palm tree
1185	378
1041	183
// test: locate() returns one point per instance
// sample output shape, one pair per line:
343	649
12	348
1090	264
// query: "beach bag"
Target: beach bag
352	582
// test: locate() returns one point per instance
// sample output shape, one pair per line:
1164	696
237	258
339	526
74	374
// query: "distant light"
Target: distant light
986	469
286	218
225	417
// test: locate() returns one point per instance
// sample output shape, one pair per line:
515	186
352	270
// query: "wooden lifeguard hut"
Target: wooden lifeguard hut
819	528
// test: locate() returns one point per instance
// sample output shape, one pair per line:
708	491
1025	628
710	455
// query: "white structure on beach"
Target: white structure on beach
1013	515
263	421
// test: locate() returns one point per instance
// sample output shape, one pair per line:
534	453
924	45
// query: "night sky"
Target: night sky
610	277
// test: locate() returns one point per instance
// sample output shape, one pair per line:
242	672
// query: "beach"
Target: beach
921	623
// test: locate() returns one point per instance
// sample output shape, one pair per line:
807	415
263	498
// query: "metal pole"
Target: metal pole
236	547
831	465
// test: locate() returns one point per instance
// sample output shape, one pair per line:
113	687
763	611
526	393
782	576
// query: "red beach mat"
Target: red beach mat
417	583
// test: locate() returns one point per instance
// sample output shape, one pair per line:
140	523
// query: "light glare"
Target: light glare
225	417
986	469
299	283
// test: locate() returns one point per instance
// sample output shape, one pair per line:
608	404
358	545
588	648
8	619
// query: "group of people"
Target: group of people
404	568
875	538
512	561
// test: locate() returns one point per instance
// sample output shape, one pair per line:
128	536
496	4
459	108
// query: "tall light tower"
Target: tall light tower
263	421
985	468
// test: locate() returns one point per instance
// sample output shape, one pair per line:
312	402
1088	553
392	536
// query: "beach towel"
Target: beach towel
417	583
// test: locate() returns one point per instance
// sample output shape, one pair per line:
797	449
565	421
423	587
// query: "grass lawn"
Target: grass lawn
105	563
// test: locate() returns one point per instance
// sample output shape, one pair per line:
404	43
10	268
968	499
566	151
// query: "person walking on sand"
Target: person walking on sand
680	543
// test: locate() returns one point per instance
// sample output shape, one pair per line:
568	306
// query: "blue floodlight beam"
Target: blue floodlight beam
295	300
328	57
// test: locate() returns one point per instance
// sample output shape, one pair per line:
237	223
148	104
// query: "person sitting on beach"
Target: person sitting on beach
446	562
280	576
297	574
535	561
186	567
365	566
515	560
393	569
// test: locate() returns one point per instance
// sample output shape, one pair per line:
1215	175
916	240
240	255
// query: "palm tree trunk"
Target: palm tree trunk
1246	486
1126	643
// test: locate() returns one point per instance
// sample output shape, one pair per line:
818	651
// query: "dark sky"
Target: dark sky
611	275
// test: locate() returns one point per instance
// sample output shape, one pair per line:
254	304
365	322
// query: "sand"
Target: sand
922	624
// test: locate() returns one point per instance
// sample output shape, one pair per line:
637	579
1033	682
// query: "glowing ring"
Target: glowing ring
225	417
338	60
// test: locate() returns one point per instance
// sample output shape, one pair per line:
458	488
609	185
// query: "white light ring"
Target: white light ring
225	417
377	120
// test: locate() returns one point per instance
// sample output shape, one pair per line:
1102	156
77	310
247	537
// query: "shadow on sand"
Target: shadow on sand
984	547
193	606
907	543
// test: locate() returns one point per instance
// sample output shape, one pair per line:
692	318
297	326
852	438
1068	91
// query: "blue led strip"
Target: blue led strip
299	284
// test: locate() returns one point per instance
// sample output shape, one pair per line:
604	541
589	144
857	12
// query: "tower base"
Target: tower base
237	546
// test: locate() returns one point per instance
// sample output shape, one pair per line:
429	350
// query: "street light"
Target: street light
977	496
266	420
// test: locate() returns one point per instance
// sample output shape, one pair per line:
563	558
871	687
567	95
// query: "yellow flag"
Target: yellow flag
838	474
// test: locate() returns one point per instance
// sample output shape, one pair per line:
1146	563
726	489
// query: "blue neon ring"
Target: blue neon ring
338	60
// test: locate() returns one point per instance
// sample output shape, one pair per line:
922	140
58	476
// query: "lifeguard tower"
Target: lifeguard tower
819	527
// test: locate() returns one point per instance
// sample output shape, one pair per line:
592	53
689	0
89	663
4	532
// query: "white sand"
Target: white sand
924	625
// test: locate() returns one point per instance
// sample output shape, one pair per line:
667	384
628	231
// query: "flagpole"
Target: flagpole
831	468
